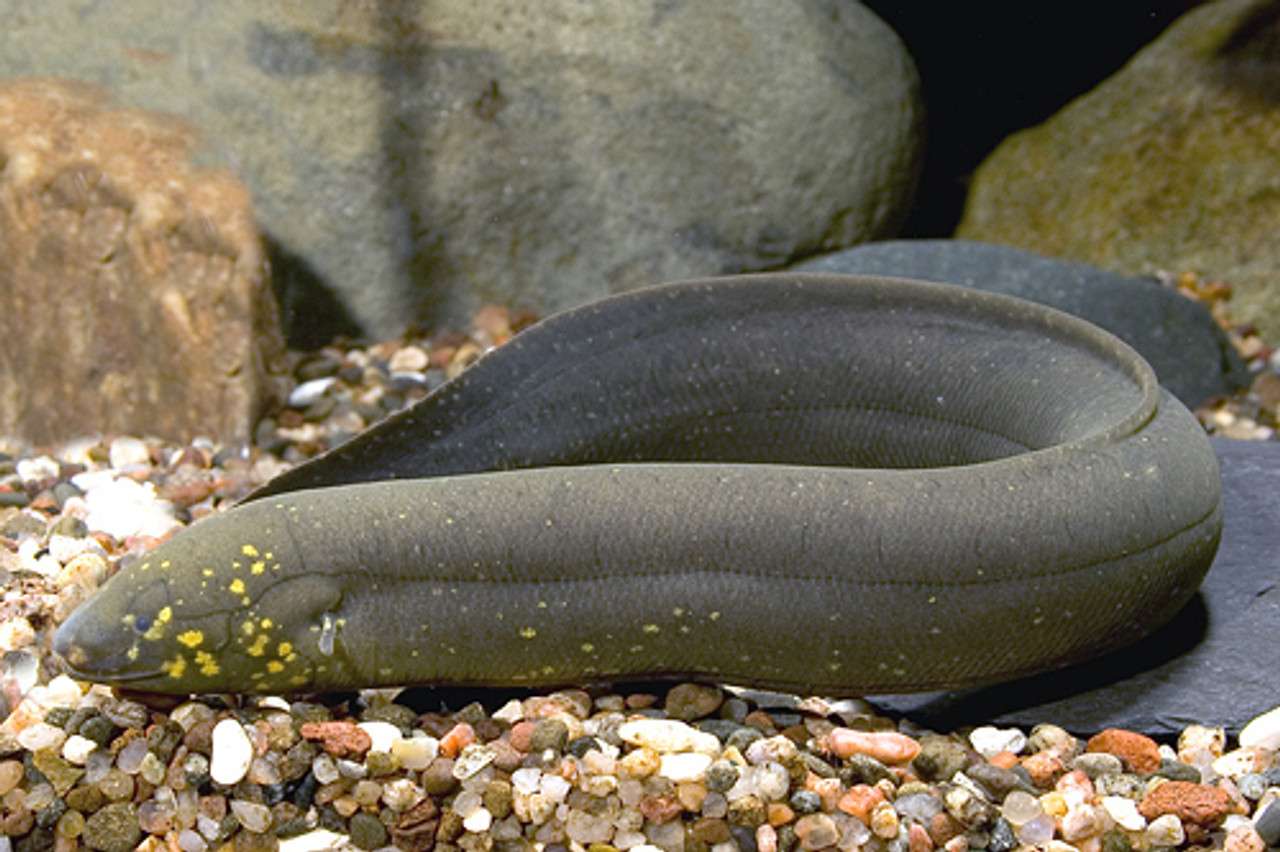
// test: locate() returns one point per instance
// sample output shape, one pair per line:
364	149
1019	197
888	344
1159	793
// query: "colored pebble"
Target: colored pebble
1262	731
989	741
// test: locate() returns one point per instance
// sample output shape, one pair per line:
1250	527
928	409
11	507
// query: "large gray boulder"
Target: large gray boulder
1191	356
422	158
1169	164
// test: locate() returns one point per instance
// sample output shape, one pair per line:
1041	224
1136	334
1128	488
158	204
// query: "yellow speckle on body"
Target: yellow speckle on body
176	667
542	604
165	615
548	670
132	653
191	638
275	666
298	680
258	567
266	624
208	665
246	627
587	647
527	633
207	572
250	550
259	646
284	649
165	564
714	615
678	611
651	628
236	587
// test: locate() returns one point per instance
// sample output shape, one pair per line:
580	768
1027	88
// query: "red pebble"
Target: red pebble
340	739
1139	753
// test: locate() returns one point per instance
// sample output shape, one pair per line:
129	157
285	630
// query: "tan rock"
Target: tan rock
134	296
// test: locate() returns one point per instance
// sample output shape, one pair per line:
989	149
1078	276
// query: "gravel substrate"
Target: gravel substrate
684	767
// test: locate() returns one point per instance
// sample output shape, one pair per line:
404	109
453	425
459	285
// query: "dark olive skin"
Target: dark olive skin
839	484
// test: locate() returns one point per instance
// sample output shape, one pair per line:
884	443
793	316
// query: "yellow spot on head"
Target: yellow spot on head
249	550
259	646
236	587
258	567
132	653
266	624
527	633
284	649
275	666
207	572
191	638
175	667
246	627
165	615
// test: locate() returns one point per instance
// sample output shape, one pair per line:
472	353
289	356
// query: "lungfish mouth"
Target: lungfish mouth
92	654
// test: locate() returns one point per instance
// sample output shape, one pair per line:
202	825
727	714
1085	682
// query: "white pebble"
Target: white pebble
318	840
62	691
511	712
1125	812
554	787
778	749
668	735
1262	731
989	741
76	749
308	392
16	633
525	781
128	452
122	508
41	735
1166	830
383	735
416	752
232	752
38	468
684	766
64	548
409	359
479	821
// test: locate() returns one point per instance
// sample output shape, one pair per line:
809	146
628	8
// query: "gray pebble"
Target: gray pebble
367	831
548	734
862	769
1268	824
126	714
1177	771
1252	785
721	775
742	738
805	802
939	758
1097	764
1002	837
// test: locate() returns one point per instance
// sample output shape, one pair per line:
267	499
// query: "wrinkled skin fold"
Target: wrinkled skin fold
821	483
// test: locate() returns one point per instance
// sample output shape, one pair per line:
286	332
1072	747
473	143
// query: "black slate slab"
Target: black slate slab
1190	354
1214	664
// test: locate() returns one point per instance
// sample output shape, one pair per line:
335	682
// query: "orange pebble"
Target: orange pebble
860	800
1004	759
780	814
918	840
458	738
884	746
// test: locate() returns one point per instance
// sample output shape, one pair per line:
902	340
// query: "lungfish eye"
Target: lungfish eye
142	623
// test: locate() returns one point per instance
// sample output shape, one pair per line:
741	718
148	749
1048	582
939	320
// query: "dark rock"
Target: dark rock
1190	354
135	281
1202	666
113	829
677	151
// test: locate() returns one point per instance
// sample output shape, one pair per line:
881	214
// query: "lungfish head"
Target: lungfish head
225	606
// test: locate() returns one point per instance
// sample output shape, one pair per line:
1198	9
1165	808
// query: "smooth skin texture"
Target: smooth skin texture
834	484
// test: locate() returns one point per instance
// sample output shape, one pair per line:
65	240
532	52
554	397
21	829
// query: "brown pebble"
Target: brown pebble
1044	768
660	809
761	721
918	839
1140	753
710	830
1198	804
522	735
437	779
860	800
689	701
943	828
340	739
